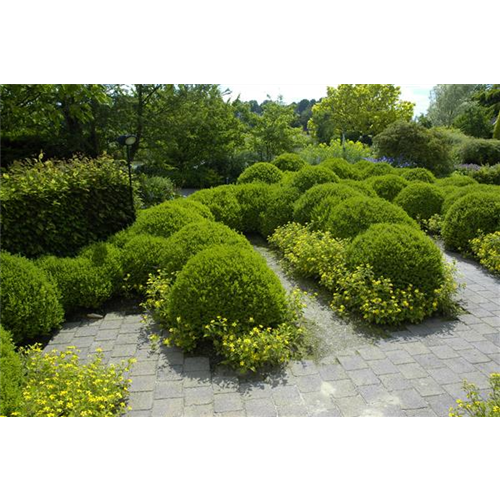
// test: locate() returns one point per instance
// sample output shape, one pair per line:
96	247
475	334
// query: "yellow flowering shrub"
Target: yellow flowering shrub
57	385
487	250
475	406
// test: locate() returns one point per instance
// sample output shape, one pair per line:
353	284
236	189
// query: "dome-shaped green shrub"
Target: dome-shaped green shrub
279	209
29	302
164	220
227	281
305	205
342	168
12	375
194	238
357	214
261	172
361	186
289	162
400	253
308	177
222	201
453	194
418	174
420	200
142	256
468	217
457	180
376	169
197	206
387	186
253	199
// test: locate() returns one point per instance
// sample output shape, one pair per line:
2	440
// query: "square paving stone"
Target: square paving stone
310	383
412	370
198	395
421	412
318	401
255	390
488	368
86	332
82	342
377	395
123	350
457	343
286	395
196	364
141	400
352	406
479	379
332	372
223	384
427	386
169	389
199	411
106	346
172	357
142	383
168	408
444	352
260	408
394	381
456	391
486	347
416	348
429	361
198	379
342	388
444	375
410	399
227	402
168	372
231	414
474	356
459	365
493	321
352	362
138	413
371	352
332	412
400	357
303	368
127	338
383	367
485	329
144	368
292	411
107	335
364	377
110	325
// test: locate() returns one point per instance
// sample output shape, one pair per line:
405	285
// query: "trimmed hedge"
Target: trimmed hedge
342	168
471	215
418	174
279	209
403	254
357	214
456	180
480	151
11	375
261	172
229	282
377	169
387	186
308	177
29	302
58	207
289	162
420	200
253	200
194	238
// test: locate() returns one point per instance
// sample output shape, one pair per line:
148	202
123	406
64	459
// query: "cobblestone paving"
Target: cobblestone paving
416	372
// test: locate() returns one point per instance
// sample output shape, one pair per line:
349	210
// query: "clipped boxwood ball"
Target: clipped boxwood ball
289	162
194	238
253	200
12	377
279	209
308	177
164	220
457	180
342	168
361	186
196	206
420	200
261	172
418	174
357	214
453	194
228	281
29	301
403	254
387	186
475	213
376	169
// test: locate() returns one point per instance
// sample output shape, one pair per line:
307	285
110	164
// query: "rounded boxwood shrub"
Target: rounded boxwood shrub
453	194
289	162
142	256
387	186
194	238
223	203
197	206
229	282
253	199
29	302
12	375
164	220
357	214
279	209
308	177
376	169
361	186
154	190
400	253
342	168
418	174
471	215
420	200
305	205
261	172
456	180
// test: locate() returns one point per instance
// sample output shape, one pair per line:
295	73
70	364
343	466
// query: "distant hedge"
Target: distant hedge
58	207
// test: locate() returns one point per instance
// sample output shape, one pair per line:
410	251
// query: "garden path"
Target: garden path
415	371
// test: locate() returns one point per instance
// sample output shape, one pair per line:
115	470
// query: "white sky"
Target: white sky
294	92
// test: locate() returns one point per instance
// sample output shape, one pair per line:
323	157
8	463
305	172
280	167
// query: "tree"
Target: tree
474	121
496	131
358	110
272	133
448	101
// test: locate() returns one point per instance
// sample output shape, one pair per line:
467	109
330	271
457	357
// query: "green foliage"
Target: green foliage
486	248
142	256
480	151
279	209
59	207
342	168
289	162
57	385
362	186
164	220
197	206
474	121
475	405
388	186
194	238
357	214
312	198
496	130
471	215
412	143
456	179
253	200
308	177
155	190
314	154
419	175
400	253
261	172
420	200
12	375
226	281
487	175
223	203
370	169
29	301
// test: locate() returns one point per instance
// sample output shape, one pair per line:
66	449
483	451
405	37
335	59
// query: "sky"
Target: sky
293	92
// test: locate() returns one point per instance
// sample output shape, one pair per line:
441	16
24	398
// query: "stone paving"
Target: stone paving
416	372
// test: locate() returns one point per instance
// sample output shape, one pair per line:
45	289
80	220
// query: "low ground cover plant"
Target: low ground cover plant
486	248
475	405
